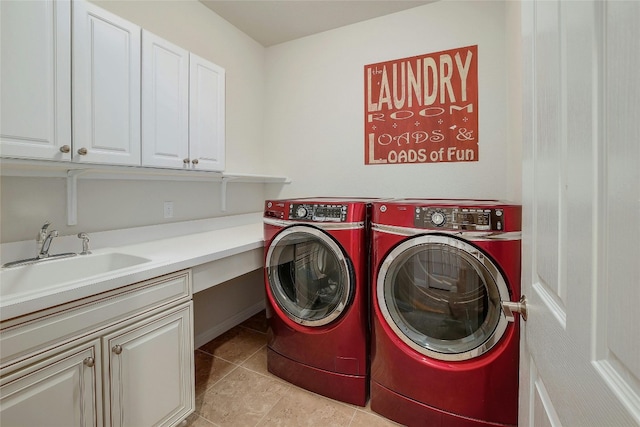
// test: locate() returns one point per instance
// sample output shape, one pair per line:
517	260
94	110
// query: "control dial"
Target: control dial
301	212
438	219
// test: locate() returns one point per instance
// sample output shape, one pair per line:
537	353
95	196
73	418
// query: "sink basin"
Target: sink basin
54	273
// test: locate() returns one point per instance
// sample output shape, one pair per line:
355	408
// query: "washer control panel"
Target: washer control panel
318	212
458	218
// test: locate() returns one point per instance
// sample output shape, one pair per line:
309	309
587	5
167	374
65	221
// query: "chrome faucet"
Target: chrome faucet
46	244
85	243
44	240
42	235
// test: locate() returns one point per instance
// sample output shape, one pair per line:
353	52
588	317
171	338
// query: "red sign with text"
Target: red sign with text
422	109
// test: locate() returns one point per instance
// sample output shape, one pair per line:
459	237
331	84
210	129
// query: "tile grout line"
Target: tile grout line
353	417
253	354
269	411
252	329
235	366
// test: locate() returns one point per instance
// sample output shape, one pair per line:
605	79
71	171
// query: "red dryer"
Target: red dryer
445	285
316	277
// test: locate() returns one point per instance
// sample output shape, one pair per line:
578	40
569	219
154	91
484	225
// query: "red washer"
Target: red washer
445	345
316	280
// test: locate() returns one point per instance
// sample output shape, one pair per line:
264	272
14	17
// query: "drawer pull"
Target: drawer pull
117	349
89	362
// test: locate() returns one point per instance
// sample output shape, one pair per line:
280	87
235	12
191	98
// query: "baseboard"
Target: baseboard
220	328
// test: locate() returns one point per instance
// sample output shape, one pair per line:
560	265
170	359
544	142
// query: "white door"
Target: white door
151	371
206	114
165	103
580	355
35	89
61	391
106	87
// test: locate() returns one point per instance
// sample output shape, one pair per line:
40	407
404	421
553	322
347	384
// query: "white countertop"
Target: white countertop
166	255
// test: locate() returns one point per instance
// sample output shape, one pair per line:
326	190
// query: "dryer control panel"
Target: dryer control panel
318	212
458	218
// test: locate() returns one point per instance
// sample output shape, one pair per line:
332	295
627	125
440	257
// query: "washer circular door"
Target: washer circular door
309	276
442	296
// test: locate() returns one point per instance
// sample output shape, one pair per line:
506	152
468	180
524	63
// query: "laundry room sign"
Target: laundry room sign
422	109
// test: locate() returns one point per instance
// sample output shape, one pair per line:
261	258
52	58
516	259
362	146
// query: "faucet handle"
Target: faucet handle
85	243
42	234
45	244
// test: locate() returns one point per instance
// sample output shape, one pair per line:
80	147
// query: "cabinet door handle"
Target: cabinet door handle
89	362
65	149
117	349
82	151
186	161
194	161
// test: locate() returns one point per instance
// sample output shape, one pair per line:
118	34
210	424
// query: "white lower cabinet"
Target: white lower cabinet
132	367
60	390
149	367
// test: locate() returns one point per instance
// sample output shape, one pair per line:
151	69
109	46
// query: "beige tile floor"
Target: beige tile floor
234	388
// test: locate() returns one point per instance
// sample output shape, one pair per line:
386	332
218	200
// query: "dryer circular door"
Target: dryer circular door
442	296
309	276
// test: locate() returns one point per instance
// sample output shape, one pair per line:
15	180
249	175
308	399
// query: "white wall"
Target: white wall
513	34
114	204
221	307
314	111
105	205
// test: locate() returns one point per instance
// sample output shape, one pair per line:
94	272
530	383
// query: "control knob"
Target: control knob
438	218
301	212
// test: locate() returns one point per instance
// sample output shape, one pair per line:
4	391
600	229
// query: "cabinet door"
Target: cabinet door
165	103
151	371
206	114
35	91
106	87
62	390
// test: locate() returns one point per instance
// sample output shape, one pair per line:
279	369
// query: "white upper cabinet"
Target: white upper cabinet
165	103
135	99
182	108
35	89
206	114
106	87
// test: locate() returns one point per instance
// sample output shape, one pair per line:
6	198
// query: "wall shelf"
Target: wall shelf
72	171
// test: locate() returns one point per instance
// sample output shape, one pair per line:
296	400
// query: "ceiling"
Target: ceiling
271	22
